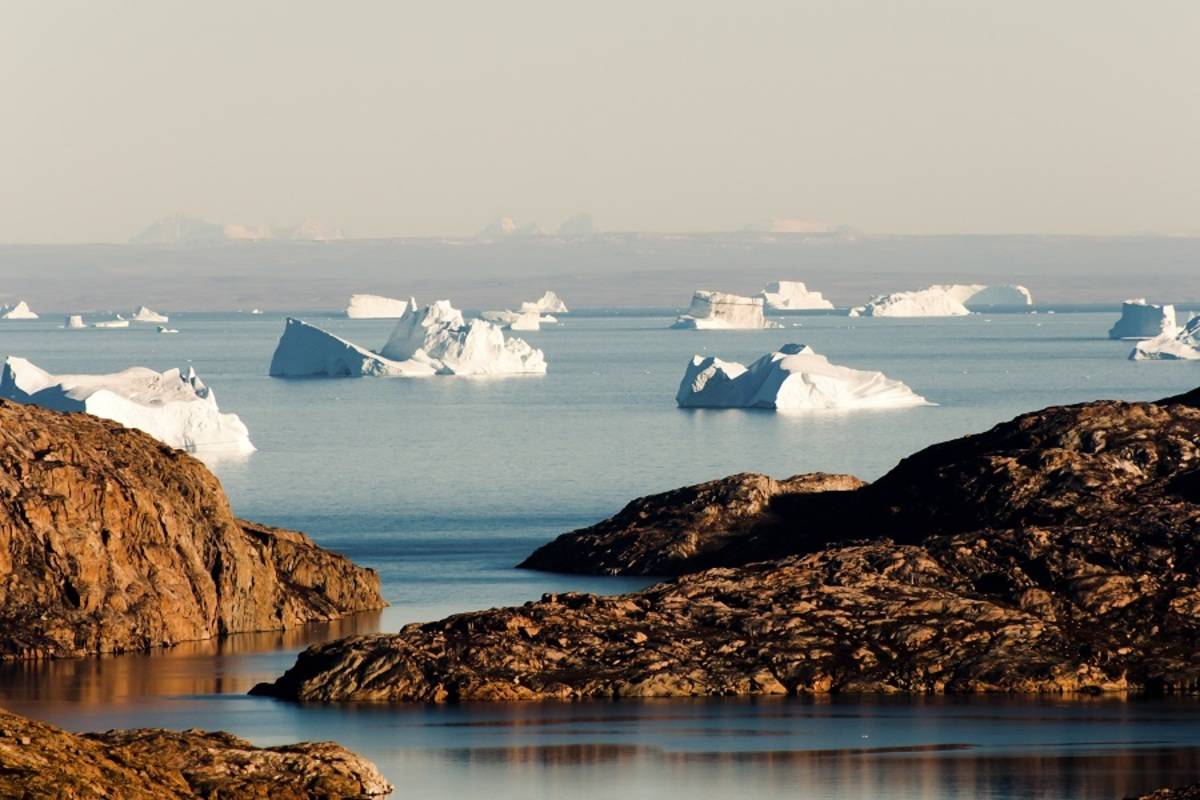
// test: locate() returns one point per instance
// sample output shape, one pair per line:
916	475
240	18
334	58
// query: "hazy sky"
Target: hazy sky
405	118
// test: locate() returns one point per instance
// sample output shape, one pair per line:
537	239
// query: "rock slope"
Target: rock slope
1058	552
41	761
111	541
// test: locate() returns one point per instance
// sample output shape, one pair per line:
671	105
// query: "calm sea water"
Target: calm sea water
443	484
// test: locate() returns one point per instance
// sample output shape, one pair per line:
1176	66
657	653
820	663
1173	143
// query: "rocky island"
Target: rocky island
1057	552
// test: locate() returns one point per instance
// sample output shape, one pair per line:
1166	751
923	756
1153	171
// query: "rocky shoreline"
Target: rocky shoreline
1057	552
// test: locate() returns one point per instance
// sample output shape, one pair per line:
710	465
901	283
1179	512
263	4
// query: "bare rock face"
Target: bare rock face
1059	552
679	531
1182	793
41	761
111	541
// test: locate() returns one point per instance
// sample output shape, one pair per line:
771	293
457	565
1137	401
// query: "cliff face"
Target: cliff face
111	541
41	761
1057	552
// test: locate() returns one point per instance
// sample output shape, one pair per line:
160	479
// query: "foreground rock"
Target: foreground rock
1058	552
1183	793
41	761
110	541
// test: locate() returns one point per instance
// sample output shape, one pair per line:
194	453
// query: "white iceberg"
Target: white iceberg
374	306
515	320
305	350
256	311
794	378
119	322
722	311
1142	320
792	296
143	314
943	300
74	322
20	311
177	409
1182	344
165	329
548	303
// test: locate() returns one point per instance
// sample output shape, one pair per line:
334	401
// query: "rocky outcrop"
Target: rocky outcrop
1183	793
1059	552
680	531
111	541
41	761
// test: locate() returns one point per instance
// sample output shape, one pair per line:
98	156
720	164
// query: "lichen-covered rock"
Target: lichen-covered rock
111	541
42	761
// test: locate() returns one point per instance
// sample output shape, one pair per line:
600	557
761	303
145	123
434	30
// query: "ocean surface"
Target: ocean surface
443	484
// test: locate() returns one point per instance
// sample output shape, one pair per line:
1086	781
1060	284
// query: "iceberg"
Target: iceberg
792	295
165	329
173	407
74	322
256	311
1142	320
943	300
143	314
119	322
517	320
305	350
374	306
20	311
548	303
1182	344
794	378
721	311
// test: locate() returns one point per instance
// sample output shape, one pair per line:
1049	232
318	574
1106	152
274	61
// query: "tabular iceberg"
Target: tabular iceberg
74	322
143	314
517	320
722	311
1182	344
1142	320
943	300
177	409
792	296
549	303
305	350
119	322
794	378
374	306
20	311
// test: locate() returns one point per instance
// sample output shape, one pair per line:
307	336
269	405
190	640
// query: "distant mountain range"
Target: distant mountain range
179	229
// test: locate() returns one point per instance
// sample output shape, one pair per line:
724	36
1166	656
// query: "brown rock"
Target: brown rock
41	761
111	541
1183	793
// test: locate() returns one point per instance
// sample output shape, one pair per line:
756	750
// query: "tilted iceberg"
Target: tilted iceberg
516	320
791	296
175	408
723	311
374	306
943	300
143	314
1142	320
306	350
433	340
549	303
794	378
1182	344
20	311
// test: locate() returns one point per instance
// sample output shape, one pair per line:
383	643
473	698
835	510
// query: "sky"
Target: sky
432	119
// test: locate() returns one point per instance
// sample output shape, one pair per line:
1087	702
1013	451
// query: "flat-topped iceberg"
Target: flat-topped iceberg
20	311
792	296
943	300
549	303
173	407
1182	344
117	322
723	311
374	306
794	378
74	322
143	314
517	320
429	340
1142	320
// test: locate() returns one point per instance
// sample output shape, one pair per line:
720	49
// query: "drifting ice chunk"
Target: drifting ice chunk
438	336
515	320
256	311
792	295
1179	345
20	311
165	329
1142	320
374	306
792	379
74	321
306	350
943	300
722	311
143	314
119	322
174	408
549	303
